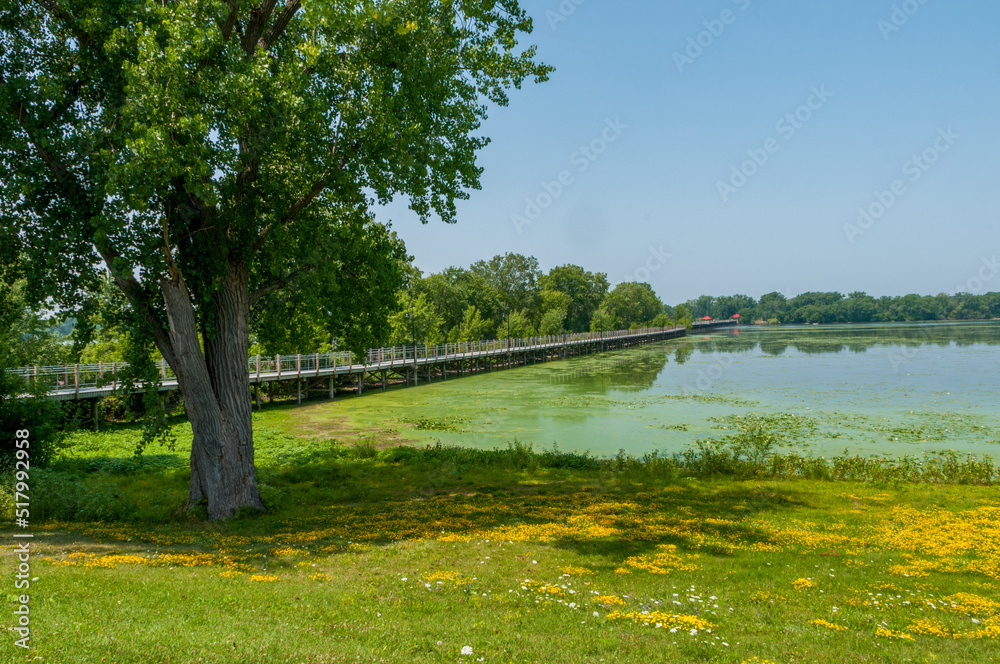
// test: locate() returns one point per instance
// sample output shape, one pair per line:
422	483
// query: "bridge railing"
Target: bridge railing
66	378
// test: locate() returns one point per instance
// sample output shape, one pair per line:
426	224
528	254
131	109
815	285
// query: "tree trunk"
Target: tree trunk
216	388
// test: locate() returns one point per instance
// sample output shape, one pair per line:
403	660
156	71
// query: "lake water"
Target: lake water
870	389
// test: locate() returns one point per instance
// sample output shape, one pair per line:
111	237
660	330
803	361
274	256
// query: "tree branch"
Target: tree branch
255	27
172	268
58	169
133	291
82	36
279	284
298	206
232	21
303	202
250	165
280	23
20	113
139	298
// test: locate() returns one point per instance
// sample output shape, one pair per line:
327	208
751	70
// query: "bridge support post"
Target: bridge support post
97	416
384	380
333	390
298	390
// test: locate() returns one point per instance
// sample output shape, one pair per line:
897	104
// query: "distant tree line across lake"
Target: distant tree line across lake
510	295
856	307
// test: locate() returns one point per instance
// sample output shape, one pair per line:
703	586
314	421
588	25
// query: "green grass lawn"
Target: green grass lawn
378	553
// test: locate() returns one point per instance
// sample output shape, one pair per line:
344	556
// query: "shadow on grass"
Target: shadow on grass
332	500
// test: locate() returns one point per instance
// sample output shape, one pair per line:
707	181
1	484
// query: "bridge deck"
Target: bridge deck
90	381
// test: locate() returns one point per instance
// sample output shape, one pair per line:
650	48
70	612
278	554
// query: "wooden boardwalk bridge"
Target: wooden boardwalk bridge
344	370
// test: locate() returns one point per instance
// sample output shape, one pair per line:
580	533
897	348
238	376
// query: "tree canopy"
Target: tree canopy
564	299
512	277
584	292
210	154
630	304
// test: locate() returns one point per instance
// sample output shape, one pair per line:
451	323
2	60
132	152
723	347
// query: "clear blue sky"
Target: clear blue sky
682	126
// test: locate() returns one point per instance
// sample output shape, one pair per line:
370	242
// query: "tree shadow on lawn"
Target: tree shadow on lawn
325	499
708	519
116	465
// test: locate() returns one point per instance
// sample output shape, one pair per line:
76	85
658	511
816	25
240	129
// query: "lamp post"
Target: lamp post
508	337
413	329
413	337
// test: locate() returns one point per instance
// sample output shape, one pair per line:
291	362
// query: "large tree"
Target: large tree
208	153
514	277
586	291
632	303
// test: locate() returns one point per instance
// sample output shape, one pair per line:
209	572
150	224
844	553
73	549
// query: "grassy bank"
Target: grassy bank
375	552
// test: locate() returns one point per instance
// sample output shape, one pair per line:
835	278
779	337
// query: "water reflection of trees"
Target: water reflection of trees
855	339
637	369
623	371
682	353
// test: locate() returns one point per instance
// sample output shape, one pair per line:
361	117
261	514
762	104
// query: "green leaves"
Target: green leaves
473	326
415	321
632	304
515	325
406	28
585	292
165	139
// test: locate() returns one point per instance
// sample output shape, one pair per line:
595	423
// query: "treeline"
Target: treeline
509	296
857	307
505	296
